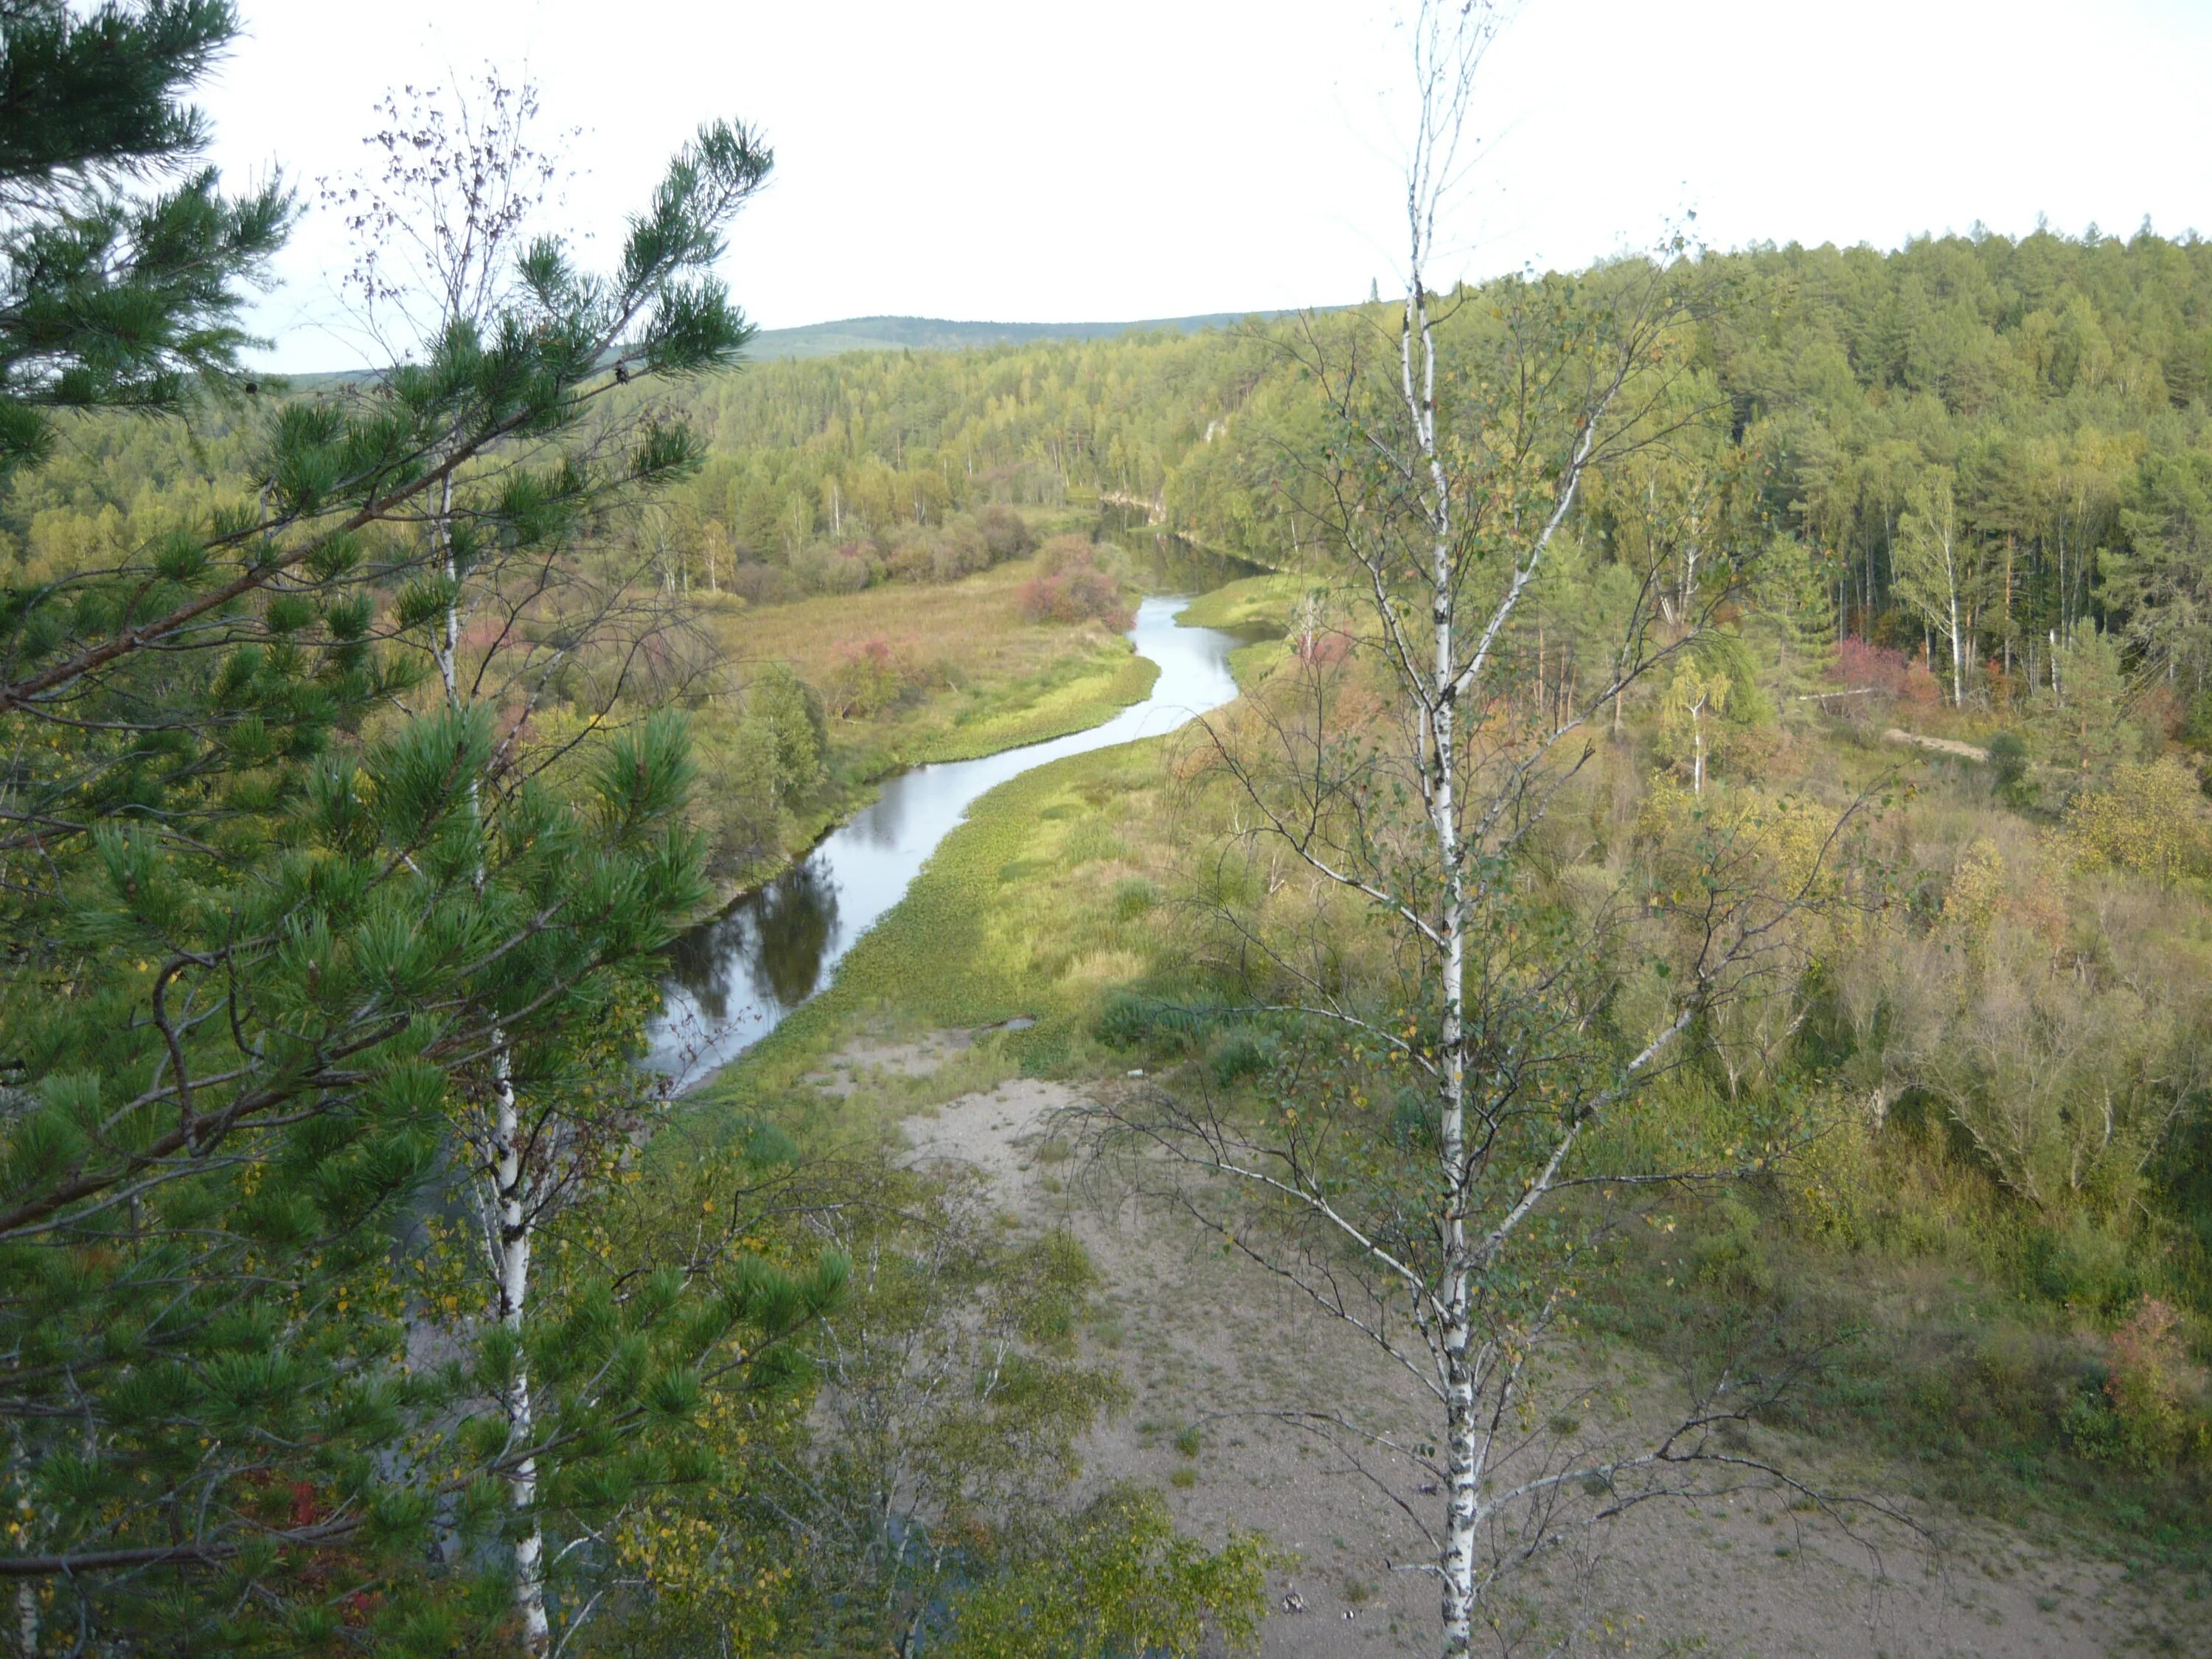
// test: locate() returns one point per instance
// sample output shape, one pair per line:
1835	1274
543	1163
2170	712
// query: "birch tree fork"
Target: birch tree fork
1458	446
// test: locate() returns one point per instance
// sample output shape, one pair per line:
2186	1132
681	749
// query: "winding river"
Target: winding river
733	978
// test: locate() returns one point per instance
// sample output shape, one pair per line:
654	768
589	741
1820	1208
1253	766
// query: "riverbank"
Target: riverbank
1258	606
962	673
733	979
1030	909
1059	887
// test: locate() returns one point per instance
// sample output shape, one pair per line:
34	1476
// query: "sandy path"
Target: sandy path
1210	1340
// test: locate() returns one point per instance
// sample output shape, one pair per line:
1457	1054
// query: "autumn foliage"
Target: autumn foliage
1070	588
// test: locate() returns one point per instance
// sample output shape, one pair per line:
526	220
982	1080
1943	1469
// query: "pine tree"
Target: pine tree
111	295
259	935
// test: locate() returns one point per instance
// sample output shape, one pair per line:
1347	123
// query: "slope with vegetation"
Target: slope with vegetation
2050	390
1940	492
367	745
347	809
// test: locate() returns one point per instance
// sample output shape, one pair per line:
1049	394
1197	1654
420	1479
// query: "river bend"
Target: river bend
733	979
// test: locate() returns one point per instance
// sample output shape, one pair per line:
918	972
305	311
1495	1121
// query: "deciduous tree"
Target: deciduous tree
1417	1174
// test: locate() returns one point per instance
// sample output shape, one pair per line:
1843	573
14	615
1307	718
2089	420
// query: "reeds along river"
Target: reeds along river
733	979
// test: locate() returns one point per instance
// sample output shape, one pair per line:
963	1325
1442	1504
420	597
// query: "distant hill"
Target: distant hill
891	334
938	334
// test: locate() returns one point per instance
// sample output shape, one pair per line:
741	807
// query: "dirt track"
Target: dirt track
1940	745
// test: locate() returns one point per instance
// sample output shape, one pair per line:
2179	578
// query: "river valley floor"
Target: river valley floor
1204	1338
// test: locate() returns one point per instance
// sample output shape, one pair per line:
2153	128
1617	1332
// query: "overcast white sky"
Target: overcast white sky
1027	160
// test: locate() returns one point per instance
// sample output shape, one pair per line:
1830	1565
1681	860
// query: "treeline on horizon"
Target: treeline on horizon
2057	385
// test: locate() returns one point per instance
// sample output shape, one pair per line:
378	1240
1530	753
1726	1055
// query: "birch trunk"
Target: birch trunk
511	1210
1457	1562
27	1592
1957	663
507	1219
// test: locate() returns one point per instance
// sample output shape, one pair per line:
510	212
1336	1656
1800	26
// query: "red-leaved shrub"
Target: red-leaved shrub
1864	667
1073	588
869	676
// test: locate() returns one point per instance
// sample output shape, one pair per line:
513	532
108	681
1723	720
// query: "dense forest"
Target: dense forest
2051	389
2035	407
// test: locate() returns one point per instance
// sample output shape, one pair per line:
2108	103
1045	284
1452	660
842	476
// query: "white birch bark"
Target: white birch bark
1697	727
27	1592
507	1219
1417	384
1958	664
511	1204
1448	49
1420	510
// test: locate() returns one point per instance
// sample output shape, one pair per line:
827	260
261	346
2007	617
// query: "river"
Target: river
733	979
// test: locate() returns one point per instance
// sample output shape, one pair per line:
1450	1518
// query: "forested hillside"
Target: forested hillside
940	334
2055	388
2053	391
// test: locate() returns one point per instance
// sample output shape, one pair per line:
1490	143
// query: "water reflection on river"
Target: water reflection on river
731	980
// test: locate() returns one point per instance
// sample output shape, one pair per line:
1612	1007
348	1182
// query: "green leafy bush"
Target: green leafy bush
2010	772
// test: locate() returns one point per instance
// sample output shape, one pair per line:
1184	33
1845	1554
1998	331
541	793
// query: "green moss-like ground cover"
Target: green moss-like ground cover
1252	601
1035	906
1254	606
1073	694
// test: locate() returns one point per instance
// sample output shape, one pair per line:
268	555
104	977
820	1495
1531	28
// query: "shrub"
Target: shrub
870	676
1129	1020
845	569
1732	1258
943	554
762	584
1117	1578
2058	1073
1071	588
1006	533
1066	553
2093	1429
2151	820
1870	668
2009	771
1239	1055
2146	1386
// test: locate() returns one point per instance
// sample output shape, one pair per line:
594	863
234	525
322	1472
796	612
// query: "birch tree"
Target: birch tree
1443	1225
444	253
1931	574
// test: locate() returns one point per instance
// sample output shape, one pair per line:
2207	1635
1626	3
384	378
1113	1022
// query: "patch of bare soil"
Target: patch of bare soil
841	1074
1940	745
1212	1343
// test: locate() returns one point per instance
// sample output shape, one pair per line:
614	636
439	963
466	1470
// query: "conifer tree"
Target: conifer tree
113	294
258	934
